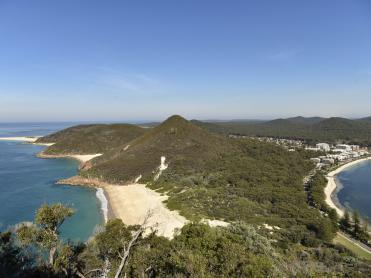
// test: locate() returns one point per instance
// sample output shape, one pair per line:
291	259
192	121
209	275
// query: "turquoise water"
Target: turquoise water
356	188
27	182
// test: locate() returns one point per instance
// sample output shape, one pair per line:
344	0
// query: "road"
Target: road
356	242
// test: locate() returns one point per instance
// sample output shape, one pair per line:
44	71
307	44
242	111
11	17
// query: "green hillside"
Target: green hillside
367	119
311	129
213	176
184	145
91	139
306	120
242	181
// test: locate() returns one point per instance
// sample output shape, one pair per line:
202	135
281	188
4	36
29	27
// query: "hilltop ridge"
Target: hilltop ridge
314	129
182	143
90	139
205	175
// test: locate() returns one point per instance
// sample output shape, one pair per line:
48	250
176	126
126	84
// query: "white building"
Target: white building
354	147
323	146
344	147
312	149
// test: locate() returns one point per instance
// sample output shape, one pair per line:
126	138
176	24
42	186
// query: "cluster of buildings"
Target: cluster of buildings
336	153
331	154
289	144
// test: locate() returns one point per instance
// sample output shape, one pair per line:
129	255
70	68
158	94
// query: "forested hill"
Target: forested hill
185	146
256	187
213	176
91	139
367	119
313	129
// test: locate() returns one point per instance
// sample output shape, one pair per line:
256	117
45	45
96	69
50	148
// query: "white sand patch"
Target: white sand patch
131	203
331	184
44	144
138	179
31	140
84	157
20	139
163	166
215	223
268	227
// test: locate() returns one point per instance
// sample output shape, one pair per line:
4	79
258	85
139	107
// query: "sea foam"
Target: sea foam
104	203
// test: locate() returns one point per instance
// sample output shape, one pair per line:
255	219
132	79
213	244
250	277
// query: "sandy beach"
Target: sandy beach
83	158
131	203
330	189
20	139
30	140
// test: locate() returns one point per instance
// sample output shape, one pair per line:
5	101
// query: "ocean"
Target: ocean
355	193
27	182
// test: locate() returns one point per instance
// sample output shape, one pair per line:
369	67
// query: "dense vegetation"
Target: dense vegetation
316	188
212	176
242	181
315	129
185	146
240	250
91	139
352	225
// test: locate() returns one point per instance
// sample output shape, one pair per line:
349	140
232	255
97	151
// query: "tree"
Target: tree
356	224
364	235
116	243
365	230
332	214
12	260
45	231
345	221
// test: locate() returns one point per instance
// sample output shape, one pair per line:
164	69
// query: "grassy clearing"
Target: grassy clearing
352	247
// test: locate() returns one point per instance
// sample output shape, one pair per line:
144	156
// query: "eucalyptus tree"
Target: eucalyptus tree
44	232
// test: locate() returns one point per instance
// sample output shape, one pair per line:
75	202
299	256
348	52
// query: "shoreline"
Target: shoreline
83	158
29	139
101	196
333	186
26	139
133	202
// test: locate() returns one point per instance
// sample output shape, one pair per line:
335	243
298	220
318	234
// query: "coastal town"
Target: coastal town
328	154
334	158
336	153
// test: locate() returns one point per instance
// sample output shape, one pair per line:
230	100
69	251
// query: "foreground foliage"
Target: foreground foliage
257	187
239	250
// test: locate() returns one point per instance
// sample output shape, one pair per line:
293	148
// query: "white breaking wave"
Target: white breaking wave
104	203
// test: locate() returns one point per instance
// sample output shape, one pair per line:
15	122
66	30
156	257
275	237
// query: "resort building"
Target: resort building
323	146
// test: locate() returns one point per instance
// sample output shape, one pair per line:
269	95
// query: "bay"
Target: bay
27	182
356	188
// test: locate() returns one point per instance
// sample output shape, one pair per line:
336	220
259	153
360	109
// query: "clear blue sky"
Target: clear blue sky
145	60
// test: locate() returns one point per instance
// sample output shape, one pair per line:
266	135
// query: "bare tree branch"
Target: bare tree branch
132	242
78	273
